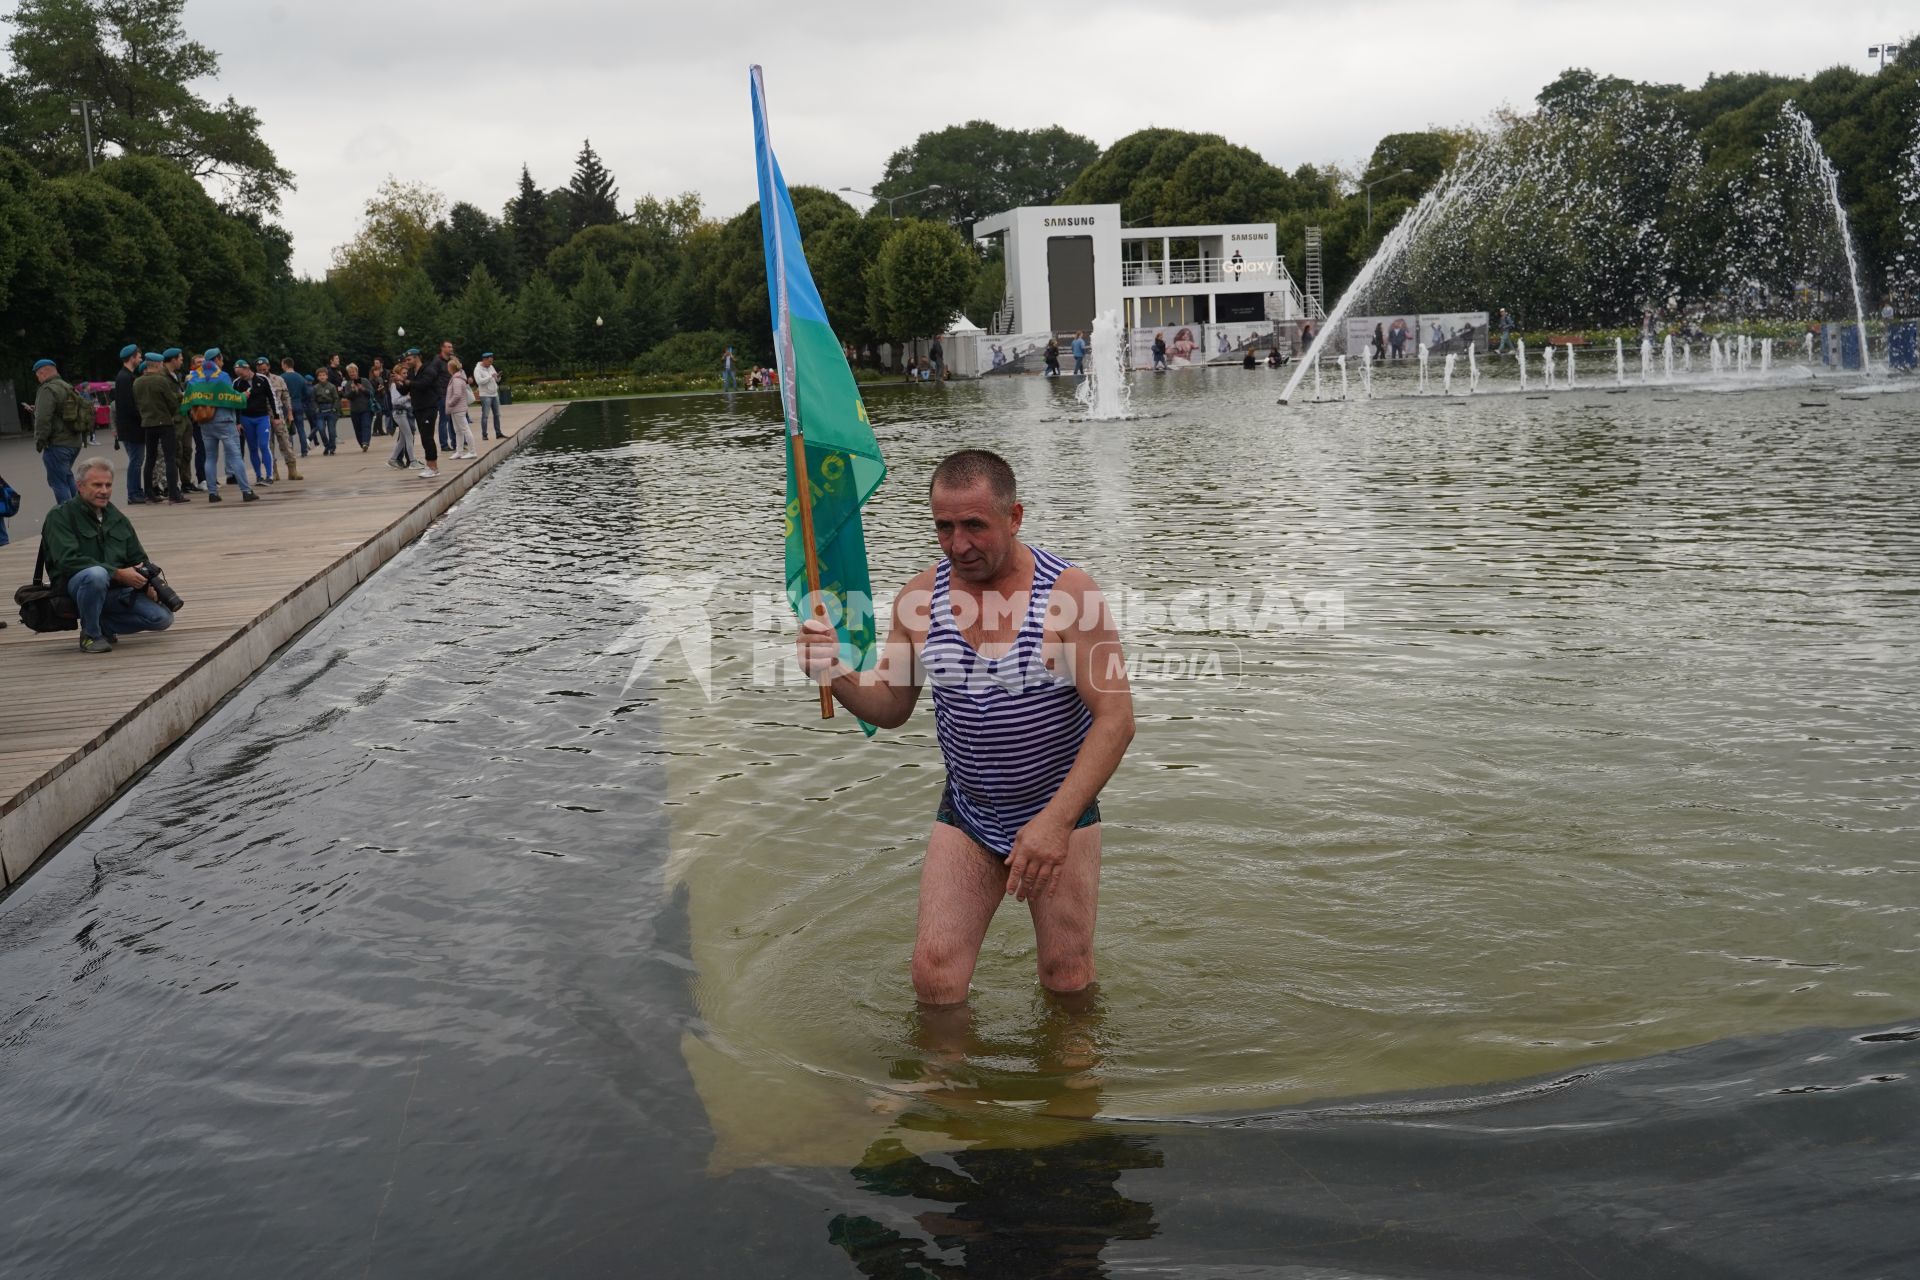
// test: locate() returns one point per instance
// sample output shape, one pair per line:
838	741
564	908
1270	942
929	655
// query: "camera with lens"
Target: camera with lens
158	581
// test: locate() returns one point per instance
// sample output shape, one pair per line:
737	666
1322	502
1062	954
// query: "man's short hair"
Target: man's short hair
970	467
95	463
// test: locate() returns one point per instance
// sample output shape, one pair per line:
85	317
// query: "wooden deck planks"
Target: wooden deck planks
233	562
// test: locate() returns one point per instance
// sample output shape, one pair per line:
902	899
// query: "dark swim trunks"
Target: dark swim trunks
947	814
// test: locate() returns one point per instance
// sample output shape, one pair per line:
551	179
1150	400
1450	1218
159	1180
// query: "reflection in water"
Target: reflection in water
1009	1213
1044	1210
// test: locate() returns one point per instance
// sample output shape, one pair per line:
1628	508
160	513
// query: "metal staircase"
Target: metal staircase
1003	319
1316	299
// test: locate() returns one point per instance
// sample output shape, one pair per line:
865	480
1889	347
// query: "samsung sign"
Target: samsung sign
1086	221
1248	235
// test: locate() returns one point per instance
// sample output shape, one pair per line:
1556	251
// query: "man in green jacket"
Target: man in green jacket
61	420
157	396
94	555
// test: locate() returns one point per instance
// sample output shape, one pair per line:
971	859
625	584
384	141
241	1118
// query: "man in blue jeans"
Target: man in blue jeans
62	419
94	556
210	391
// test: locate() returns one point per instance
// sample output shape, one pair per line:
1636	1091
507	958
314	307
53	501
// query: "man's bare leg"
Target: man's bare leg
961	885
1064	915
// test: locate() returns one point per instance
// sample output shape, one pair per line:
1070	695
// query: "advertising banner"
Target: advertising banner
1014	353
1391	337
1186	345
1453	332
1228	342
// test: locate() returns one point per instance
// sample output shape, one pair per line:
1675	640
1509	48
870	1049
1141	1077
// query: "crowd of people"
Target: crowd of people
190	421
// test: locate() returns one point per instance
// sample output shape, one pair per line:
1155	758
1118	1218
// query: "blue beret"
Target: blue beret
170	353
132	348
486	355
151	357
213	353
38	365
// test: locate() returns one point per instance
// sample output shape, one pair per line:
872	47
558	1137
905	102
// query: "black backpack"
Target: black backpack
42	606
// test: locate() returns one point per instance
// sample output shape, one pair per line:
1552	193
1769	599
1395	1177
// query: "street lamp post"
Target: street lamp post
1376	182
1883	52
84	110
891	199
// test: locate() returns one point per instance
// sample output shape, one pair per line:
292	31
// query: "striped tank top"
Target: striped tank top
1009	728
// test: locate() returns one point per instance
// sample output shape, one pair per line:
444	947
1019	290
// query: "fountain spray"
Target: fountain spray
1830	179
1436	201
1104	392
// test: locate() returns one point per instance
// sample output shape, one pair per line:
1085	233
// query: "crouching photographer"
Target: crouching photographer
94	556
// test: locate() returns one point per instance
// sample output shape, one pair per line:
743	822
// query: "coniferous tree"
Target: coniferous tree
599	325
528	226
543	325
482	318
417	309
646	307
593	197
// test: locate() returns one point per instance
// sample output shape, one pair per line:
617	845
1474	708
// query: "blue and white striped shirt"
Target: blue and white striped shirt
1009	728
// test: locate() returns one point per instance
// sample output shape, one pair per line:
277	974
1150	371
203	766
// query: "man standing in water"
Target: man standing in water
1033	713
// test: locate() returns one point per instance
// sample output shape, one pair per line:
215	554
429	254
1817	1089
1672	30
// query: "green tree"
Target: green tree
120	270
222	261
33	254
1903	272
979	168
594	199
416	308
599	321
466	238
614	245
645	308
729	279
132	60
842	254
699	352
922	279
543	325
482	318
389	246
530	226
300	319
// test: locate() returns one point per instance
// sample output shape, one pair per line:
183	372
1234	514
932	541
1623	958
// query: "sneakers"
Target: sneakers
428	473
214	497
246	495
95	644
466	453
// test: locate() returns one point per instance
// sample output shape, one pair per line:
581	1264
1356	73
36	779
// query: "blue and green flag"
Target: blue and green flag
823	408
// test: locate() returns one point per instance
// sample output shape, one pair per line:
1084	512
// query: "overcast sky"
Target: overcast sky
349	92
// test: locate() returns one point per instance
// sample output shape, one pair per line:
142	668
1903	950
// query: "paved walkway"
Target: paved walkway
78	727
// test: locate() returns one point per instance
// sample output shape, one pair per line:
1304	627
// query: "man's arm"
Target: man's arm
884	695
62	546
1091	651
45	411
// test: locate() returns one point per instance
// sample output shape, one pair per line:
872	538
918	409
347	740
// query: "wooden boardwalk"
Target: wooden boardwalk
253	574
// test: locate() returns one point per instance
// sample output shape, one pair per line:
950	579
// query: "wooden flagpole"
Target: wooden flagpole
804	483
